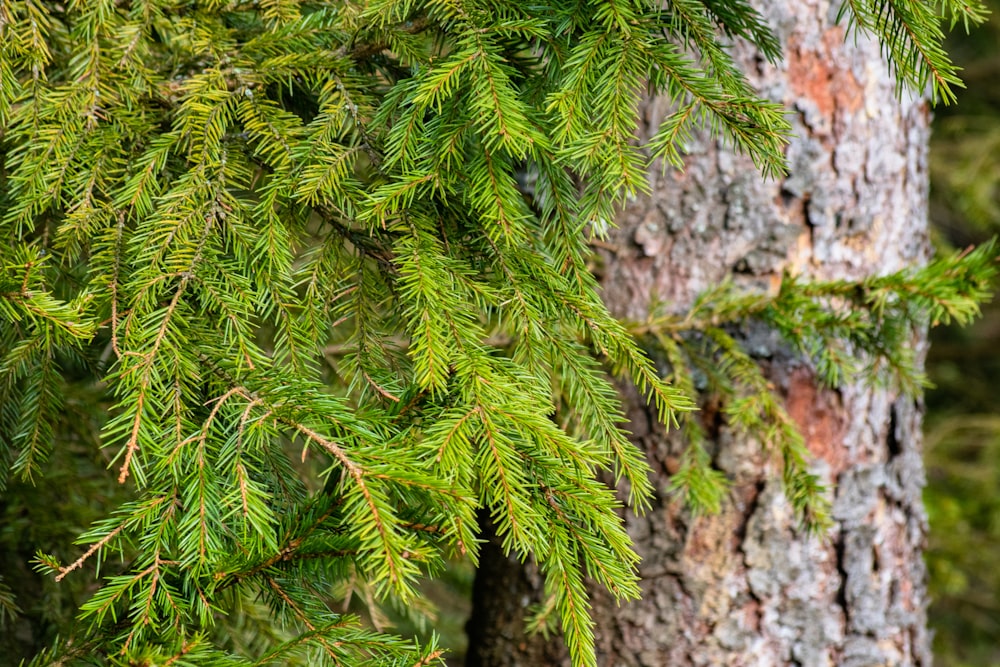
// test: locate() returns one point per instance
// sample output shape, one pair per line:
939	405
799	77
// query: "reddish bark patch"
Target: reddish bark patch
813	74
816	415
752	613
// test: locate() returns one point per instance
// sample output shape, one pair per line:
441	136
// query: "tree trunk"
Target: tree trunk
745	587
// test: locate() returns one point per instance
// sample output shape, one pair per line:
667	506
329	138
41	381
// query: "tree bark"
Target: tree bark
745	587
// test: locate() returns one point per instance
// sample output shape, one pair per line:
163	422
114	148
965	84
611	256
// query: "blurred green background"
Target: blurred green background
963	411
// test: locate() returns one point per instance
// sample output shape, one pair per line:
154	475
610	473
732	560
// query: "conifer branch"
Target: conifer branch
63	571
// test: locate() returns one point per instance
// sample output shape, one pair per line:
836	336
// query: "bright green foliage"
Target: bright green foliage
324	268
912	37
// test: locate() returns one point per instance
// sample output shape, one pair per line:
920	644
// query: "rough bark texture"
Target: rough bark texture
744	587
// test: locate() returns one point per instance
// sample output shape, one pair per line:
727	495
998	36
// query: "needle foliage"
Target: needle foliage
291	290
